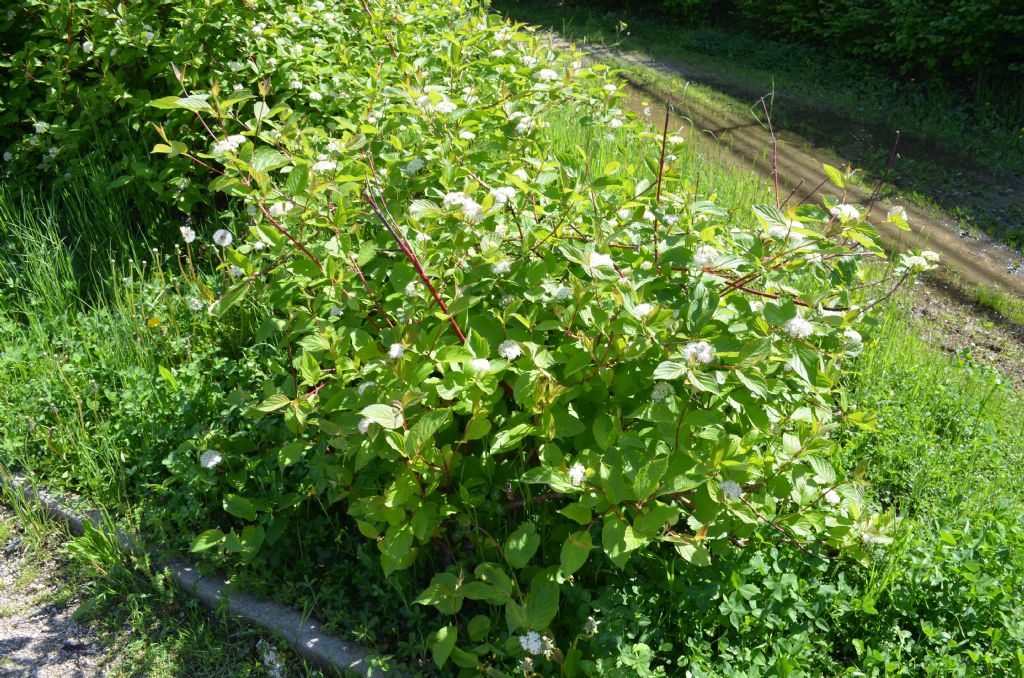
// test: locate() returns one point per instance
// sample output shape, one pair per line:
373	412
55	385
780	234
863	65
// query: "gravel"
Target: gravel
38	634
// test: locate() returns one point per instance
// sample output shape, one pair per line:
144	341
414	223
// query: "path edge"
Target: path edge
304	635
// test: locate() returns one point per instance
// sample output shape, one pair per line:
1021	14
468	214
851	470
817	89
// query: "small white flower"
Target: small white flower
832	497
597	260
210	459
852	335
396	351
222	237
364	425
526	665
521	174
237	88
590	628
41	127
503	194
510	350
279	209
562	292
480	365
53	151
897	213
615	123
502	267
798	328
297	84
547	74
610	88
524	125
532	643
498	53
195	304
845	212
642	310
699	353
705	256
914	262
188	234
757	306
87	47
467	135
258	245
323	166
930	257
731	489
316	96
675	140
414	166
445	107
229	145
423	237
661	390
411	290
235	272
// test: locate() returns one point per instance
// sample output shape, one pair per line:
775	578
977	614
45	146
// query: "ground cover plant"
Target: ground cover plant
514	377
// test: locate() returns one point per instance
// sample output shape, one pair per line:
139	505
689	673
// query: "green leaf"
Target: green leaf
168	377
668	370
648	477
605	430
266	159
521	545
234	294
478	627
575	551
694	553
240	507
509	438
388	416
441	644
196	102
577	512
274	403
541	603
207	539
834	175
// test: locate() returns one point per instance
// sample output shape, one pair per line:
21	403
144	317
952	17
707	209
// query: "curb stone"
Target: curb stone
304	635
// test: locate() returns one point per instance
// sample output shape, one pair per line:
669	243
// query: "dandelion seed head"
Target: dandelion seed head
187	234
222	237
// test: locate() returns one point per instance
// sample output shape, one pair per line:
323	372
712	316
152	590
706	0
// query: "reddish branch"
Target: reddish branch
414	260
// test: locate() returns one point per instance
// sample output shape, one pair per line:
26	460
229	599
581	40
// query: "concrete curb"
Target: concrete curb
305	636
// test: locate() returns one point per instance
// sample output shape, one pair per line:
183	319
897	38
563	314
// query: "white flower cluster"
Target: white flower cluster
916	263
577	474
396	351
598	260
324	166
705	256
503	194
470	208
662	390
536	644
897	213
699	353
510	350
547	74
798	328
524	123
210	459
229	145
731	489
845	212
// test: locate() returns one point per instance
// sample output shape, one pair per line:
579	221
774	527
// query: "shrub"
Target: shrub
496	359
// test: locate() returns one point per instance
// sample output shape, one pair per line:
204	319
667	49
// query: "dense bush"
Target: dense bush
505	365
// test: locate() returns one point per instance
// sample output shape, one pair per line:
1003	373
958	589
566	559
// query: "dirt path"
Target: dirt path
977	260
39	636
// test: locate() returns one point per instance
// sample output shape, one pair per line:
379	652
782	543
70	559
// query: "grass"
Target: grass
947	138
